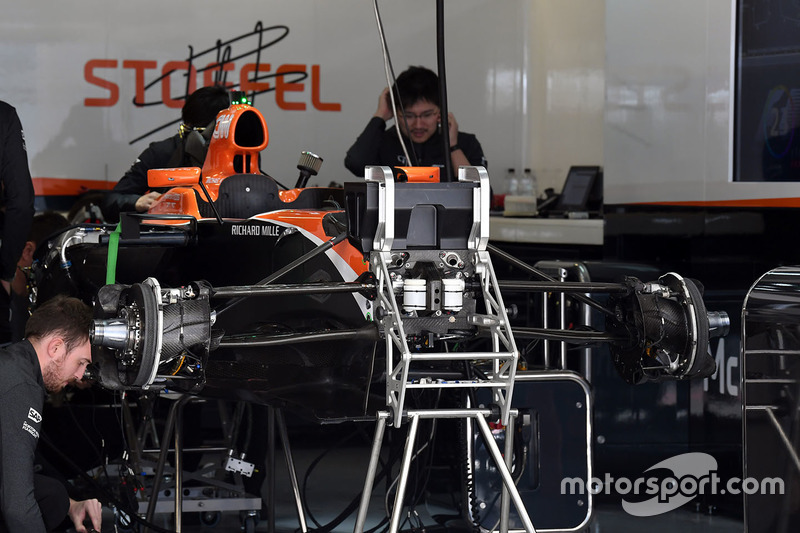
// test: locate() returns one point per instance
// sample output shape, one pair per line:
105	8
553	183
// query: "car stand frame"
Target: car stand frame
504	356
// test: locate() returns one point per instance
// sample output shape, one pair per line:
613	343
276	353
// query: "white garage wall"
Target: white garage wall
45	48
642	87
566	87
669	73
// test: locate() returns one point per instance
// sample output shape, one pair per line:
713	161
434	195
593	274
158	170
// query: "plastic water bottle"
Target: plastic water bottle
528	184
529	191
512	182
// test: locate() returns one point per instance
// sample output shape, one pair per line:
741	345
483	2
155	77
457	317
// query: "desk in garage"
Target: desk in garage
547	231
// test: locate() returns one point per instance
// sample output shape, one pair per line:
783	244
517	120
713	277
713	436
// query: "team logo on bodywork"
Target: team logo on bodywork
257	230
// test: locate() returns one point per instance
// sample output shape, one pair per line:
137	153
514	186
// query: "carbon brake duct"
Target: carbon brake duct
668	329
656	331
141	330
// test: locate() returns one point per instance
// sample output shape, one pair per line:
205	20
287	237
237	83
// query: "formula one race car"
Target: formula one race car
337	303
231	286
231	230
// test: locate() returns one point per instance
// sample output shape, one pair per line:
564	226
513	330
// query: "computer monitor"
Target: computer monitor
583	190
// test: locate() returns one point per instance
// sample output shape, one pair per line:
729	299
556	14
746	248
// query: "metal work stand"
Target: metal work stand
769	387
238	501
475	259
503	467
391	263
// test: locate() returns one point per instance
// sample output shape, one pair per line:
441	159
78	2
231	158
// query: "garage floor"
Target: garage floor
607	520
337	479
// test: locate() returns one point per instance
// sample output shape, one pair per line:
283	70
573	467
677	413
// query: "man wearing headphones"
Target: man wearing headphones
419	118
131	193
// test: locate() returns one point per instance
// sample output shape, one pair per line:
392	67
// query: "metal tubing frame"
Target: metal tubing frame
287	452
405	466
178	469
396	375
561	277
545	320
162	457
504	355
505	503
503	465
372	469
504	361
770	411
563	287
568	375
174	428
271	468
504	369
135	441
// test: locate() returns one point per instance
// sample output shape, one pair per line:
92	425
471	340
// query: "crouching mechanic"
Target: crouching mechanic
55	352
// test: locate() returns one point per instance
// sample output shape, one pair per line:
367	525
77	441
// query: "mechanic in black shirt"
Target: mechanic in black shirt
17	201
44	225
420	123
55	352
131	193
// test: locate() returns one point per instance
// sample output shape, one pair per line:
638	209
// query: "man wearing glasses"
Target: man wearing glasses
419	116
